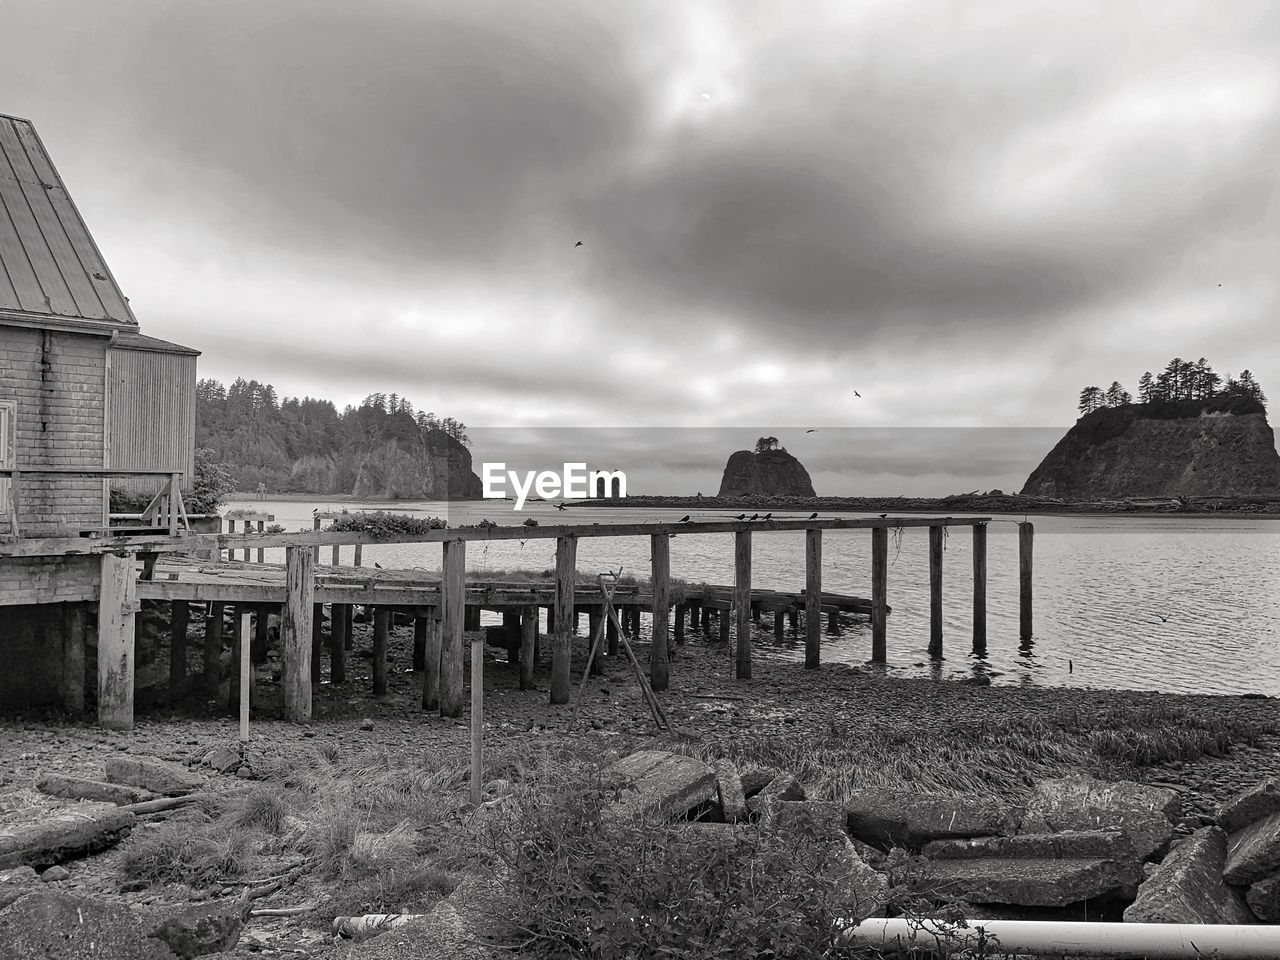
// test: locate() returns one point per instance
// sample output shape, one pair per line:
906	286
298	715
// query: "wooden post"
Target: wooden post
833	621
174	494
231	528
359	554
74	626
611	636
317	642
660	573
593	624
562	639
793	618
706	619
213	646
246	674
419	642
677	624
812	599
431	662
980	588
528	640
381	624
179	619
338	643
337	554
261	643
1026	540
295	632
117	605
315	551
477	719
454	596
742	600
879	592
262	554
935	592
723	620
349	632
780	626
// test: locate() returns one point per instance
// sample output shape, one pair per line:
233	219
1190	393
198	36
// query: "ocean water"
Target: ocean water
1140	603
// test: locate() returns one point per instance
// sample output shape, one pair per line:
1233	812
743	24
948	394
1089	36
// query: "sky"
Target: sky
965	211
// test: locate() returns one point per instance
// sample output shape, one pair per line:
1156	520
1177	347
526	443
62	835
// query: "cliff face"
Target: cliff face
435	471
1188	449
774	473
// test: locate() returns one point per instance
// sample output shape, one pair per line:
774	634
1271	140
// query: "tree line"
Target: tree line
1180	380
260	436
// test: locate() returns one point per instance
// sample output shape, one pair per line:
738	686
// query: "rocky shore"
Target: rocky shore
361	811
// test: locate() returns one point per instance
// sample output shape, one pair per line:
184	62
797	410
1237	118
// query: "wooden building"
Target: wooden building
82	394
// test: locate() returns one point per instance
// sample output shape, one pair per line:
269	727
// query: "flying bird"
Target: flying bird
856	393
810	431
559	506
578	244
377	564
1163	619
685	518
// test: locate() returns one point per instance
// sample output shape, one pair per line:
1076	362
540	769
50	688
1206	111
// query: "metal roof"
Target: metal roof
128	340
49	265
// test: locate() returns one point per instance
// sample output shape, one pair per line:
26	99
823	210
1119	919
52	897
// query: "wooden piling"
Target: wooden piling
879	593
419	642
1026	541
295	632
262	554
261	644
562	640
317	641
381	625
213	645
359	551
723	621
677	625
337	555
833	621
706	620
179	620
315	551
812	599
73	650
742	600
511	631
593	624
349	632
660	573
117	606
611	636
431	662
246	673
338	643
477	719
780	625
935	592
453	593
980	588
528	641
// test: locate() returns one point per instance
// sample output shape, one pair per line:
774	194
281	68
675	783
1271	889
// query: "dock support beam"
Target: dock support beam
317	642
419	642
295	632
381	626
742	600
935	592
431	661
562	639
454	596
213	646
660	574
1026	540
179	620
812	599
980	589
879	593
117	604
337	643
74	622
528	645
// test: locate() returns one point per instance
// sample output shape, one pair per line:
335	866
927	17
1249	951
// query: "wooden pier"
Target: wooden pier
162	568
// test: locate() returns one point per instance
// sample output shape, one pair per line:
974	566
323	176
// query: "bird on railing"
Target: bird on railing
767	516
741	516
685	518
813	516
755	516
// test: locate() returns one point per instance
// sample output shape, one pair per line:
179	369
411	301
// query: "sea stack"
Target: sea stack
768	473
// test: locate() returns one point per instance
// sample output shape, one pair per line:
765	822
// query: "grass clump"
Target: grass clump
176	854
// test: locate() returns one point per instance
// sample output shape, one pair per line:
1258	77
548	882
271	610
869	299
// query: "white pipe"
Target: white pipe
1155	941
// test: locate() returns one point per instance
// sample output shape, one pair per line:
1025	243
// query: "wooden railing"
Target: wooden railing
165	509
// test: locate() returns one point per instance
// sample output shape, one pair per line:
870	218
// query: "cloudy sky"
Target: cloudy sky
964	210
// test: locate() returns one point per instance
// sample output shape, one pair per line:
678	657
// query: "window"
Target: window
8	443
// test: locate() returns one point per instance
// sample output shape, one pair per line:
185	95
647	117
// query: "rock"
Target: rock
456	929
244	773
660	782
1253	853
883	817
78	788
1257	803
54	874
821	817
756	780
72	833
1083	803
203	928
162	778
1263	899
52	924
780	789
733	805
1027	882
1080	845
366	724
768	473
1187	887
224	758
15	883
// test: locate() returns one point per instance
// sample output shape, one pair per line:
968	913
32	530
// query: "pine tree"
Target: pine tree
1117	396
1091	399
1146	388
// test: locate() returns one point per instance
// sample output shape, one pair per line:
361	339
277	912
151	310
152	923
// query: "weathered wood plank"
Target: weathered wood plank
381	626
295	633
1026	544
117	604
879	593
742	600
338	643
455	568
935	592
73	653
980	589
431	664
812	599
566	621
528	644
660	576
179	618
213	646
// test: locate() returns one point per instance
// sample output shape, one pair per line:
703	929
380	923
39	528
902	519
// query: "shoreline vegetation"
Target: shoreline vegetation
996	503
